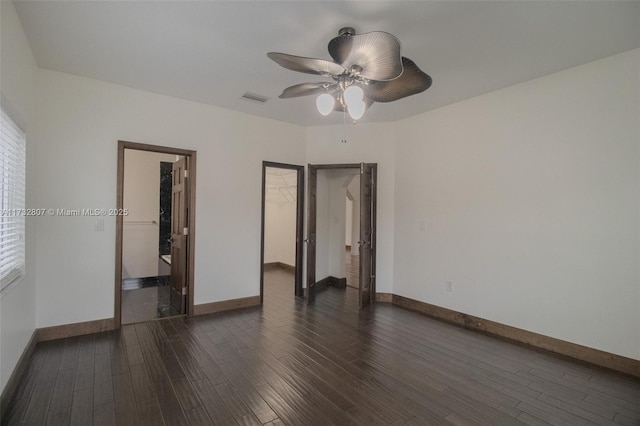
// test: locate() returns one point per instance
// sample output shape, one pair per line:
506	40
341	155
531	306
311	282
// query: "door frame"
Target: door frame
368	268
314	168
299	292
191	183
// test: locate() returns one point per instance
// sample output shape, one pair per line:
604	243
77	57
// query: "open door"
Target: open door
177	296
311	235
179	236
367	233
367	243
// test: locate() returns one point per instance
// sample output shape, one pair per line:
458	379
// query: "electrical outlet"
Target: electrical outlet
449	286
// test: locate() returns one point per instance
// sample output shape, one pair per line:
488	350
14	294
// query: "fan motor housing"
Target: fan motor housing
347	31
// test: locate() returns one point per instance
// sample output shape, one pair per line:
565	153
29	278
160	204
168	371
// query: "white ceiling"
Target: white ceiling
214	51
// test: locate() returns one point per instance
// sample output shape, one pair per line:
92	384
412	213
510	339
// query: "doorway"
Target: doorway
282	229
154	232
326	236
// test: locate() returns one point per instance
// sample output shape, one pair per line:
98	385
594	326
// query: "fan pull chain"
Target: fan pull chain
344	126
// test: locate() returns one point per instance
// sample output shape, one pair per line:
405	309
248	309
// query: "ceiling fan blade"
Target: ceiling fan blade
340	47
306	65
377	54
413	80
306	89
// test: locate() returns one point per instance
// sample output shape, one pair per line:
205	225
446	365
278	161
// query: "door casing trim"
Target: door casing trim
122	145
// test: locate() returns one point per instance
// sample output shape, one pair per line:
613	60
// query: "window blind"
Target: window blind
12	195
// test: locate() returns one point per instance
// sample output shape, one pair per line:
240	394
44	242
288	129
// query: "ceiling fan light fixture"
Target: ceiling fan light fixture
366	68
356	109
353	95
325	103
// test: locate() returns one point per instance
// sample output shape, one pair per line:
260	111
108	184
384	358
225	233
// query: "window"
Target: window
12	189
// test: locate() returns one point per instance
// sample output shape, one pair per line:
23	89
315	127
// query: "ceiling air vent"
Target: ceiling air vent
255	97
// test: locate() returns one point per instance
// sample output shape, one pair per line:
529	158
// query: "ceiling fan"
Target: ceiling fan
366	68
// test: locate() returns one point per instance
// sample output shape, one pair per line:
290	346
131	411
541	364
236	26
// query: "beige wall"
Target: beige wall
93	117
18	83
527	200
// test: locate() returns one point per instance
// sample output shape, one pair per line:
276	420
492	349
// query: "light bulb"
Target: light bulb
325	103
353	94
356	110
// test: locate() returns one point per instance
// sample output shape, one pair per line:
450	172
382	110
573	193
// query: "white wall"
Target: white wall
323	214
529	197
337	207
369	143
280	232
331	221
280	216
141	227
77	169
18	86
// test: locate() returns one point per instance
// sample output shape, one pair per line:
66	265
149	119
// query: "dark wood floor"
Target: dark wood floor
286	363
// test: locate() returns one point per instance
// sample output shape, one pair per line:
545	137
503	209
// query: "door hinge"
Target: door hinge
184	291
186	173
185	231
